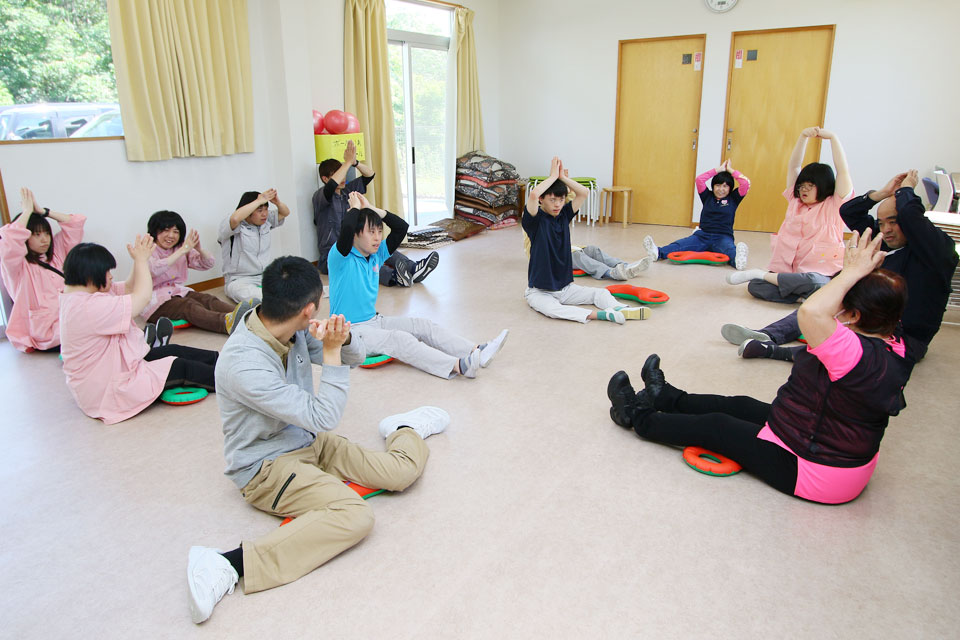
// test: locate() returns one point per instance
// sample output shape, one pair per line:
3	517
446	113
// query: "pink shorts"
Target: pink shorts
822	483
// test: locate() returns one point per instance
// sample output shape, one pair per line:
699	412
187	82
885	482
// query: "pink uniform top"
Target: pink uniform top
103	354
743	185
839	354
810	238
34	322
168	279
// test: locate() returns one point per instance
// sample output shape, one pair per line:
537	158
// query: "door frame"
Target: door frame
616	130
733	37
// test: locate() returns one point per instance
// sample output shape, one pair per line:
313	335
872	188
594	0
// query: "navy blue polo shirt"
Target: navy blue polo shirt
551	260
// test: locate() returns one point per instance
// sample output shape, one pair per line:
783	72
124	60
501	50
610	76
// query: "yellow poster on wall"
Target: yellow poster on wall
333	146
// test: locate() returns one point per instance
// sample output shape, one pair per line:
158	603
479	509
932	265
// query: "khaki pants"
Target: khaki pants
329	516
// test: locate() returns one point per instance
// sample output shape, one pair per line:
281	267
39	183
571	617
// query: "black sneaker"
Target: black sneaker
404	273
164	331
424	267
653	378
150	334
622	398
756	349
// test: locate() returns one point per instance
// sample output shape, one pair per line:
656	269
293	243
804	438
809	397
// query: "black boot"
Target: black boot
653	378
622	398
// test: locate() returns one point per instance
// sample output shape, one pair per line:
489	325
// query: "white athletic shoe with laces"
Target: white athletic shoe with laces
426	421
210	576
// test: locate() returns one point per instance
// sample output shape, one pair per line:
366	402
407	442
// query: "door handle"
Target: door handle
694	144
729	142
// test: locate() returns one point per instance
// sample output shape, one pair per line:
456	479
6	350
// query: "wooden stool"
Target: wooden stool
607	197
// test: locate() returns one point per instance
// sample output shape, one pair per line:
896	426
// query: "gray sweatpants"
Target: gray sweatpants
416	341
558	304
792	287
594	262
243	288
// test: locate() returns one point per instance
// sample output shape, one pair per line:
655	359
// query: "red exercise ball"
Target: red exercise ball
317	122
335	121
353	125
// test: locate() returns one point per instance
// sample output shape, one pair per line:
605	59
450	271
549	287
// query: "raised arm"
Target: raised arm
844	182
743	182
244	212
533	202
580	192
795	164
816	315
855	212
140	285
934	247
282	210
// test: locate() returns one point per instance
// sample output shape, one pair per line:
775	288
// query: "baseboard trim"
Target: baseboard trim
215	282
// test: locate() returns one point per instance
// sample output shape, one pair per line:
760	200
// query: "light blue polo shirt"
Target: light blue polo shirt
355	282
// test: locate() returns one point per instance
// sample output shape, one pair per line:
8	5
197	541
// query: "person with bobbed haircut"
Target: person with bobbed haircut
31	264
808	248
278	444
819	439
720	204
111	372
244	238
177	251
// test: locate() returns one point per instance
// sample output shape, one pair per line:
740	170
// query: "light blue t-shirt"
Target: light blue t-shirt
355	282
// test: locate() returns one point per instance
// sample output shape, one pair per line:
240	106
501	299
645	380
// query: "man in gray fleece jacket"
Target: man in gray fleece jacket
277	444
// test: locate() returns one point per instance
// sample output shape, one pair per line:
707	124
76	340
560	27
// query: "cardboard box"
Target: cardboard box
333	146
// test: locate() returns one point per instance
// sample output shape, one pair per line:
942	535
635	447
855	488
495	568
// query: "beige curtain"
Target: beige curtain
366	94
183	77
469	119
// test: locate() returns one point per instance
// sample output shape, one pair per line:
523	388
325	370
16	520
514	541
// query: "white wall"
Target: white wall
892	99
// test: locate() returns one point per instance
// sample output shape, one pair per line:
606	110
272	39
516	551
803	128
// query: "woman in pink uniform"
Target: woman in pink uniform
111	372
808	248
820	438
31	258
175	252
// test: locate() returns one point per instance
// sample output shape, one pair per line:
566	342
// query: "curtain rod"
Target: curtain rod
441	2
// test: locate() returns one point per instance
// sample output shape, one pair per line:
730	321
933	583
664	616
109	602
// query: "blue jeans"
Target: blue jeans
701	241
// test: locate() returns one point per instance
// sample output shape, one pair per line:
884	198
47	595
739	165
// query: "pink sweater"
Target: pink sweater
34	322
168	280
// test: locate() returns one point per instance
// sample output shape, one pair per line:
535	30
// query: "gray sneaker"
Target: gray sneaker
150	334
423	268
164	332
738	334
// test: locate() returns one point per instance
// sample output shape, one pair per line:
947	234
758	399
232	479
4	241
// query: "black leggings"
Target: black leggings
192	368
727	425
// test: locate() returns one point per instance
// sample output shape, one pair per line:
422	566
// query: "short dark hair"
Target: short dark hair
247	198
163	220
880	297
35	224
328	167
558	189
88	264
368	218
819	175
723	177
289	284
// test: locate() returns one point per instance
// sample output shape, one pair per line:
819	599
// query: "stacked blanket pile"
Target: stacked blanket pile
486	190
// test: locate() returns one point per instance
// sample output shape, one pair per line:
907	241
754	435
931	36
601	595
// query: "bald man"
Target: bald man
924	255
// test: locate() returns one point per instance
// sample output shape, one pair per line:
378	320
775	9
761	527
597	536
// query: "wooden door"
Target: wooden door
658	112
778	87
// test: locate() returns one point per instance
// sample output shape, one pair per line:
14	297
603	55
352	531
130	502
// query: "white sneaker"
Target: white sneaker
652	249
740	259
210	576
426	421
487	353
473	364
635	268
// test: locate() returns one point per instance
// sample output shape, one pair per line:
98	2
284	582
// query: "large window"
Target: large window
421	87
56	70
